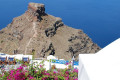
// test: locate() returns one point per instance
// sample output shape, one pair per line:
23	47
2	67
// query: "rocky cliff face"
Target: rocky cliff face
37	32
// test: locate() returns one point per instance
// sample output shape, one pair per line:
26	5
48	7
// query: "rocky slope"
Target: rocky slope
37	32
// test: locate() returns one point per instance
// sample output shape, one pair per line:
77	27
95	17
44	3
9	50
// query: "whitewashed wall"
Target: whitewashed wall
82	74
104	65
47	65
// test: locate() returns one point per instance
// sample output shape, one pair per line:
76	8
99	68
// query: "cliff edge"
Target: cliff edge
36	32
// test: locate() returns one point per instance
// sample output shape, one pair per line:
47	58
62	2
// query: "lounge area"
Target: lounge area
3	60
6	59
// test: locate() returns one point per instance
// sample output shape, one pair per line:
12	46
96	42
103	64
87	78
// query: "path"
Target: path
34	35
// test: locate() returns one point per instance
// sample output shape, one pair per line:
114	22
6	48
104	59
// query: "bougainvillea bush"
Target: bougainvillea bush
31	72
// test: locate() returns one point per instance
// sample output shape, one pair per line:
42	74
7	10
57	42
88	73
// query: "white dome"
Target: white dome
51	57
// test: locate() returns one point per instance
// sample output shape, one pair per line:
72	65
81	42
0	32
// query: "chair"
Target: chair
11	60
3	60
25	60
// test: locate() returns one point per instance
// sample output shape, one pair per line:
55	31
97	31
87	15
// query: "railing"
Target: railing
63	62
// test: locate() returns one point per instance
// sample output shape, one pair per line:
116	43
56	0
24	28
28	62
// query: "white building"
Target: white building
104	65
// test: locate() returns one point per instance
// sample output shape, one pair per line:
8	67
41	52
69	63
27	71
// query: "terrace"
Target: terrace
13	62
38	69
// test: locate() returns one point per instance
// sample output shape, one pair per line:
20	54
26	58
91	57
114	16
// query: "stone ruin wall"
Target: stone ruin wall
35	11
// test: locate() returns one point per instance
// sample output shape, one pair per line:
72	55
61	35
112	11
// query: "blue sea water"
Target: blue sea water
100	19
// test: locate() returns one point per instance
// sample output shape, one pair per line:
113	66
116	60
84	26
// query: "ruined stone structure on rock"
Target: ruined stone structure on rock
36	10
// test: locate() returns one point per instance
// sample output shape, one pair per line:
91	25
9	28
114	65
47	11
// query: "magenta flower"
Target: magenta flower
47	74
67	78
41	66
75	70
54	72
56	78
44	78
31	78
66	63
67	72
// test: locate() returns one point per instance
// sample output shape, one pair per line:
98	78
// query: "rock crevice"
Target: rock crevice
51	31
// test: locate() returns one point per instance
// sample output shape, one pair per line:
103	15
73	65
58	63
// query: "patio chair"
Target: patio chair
25	60
3	60
11	60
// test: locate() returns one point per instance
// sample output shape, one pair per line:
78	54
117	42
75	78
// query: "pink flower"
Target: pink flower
44	78
54	72
66	63
75	70
20	68
67	78
56	78
67	72
47	74
31	78
41	66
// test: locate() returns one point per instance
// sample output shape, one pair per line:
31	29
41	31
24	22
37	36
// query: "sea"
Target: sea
99	19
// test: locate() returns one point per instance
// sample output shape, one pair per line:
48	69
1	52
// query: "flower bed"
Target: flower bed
31	72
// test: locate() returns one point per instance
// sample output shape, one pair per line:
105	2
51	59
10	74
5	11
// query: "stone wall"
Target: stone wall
36	11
